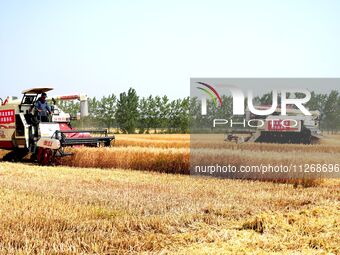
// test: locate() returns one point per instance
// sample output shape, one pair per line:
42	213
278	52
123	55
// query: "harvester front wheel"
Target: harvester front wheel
45	156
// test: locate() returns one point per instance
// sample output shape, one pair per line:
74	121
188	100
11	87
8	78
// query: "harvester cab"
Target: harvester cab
22	132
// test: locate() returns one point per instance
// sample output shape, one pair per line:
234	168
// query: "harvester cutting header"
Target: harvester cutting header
32	126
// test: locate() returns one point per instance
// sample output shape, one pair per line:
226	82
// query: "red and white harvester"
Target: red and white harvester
22	133
276	128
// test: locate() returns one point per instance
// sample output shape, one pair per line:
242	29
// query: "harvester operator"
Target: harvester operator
42	107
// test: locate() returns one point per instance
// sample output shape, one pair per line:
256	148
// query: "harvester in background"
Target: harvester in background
22	133
292	128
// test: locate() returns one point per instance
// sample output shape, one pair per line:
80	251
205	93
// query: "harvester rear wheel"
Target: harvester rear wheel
45	157
15	156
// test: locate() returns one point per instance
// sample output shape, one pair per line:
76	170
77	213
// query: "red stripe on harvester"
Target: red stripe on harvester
6	145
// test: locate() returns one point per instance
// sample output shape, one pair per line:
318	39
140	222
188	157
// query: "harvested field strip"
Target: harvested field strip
176	160
323	148
171	137
201	157
61	210
257	157
267	147
152	143
328	145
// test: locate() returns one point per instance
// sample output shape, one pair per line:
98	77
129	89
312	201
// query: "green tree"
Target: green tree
127	114
106	109
143	115
317	102
152	113
157	114
71	107
164	111
179	115
331	111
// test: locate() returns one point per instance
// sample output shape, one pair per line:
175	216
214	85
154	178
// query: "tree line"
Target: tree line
131	113
327	104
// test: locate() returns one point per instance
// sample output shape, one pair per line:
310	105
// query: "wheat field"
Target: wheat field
96	202
171	153
170	160
63	210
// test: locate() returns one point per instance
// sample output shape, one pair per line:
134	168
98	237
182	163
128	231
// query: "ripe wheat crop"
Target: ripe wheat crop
319	148
63	210
71	210
170	153
181	143
166	137
139	158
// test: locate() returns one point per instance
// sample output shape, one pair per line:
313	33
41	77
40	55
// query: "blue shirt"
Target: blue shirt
43	106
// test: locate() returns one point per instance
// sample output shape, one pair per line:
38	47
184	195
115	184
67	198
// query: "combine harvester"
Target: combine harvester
22	133
293	128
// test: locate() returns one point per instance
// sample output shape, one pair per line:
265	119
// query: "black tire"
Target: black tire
15	156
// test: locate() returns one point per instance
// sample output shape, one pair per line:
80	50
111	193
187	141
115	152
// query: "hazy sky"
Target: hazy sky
101	47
